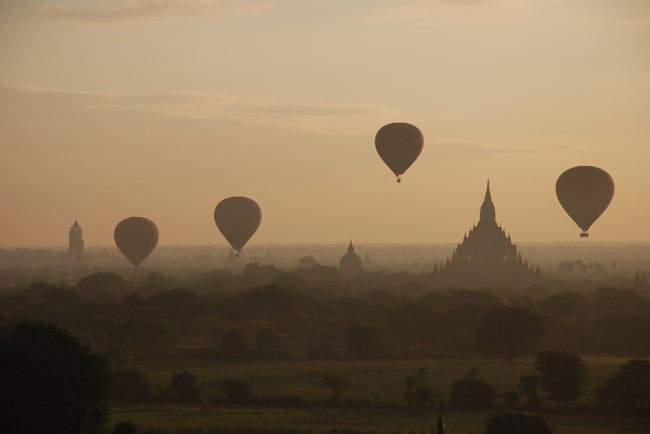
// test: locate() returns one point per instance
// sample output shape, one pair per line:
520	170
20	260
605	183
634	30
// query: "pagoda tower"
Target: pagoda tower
350	263
487	256
75	241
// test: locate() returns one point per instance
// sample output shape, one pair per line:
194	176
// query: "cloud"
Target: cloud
125	10
428	12
310	115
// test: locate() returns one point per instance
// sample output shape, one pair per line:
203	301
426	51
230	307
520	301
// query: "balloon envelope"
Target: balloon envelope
136	237
399	145
585	192
238	218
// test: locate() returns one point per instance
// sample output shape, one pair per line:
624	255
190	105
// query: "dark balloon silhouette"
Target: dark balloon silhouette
136	237
399	145
238	218
585	192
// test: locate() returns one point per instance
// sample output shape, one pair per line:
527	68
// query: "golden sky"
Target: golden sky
161	108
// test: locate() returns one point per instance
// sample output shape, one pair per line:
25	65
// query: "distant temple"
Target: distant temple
350	262
487	256
75	241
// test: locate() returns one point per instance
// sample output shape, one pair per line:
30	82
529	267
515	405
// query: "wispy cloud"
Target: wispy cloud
311	115
125	10
428	12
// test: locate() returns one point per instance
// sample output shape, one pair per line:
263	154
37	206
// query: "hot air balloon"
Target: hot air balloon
585	192
136	237
399	145
237	218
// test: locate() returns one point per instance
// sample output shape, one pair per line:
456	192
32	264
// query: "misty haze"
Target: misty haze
289	217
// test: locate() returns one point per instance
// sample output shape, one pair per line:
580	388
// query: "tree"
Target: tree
186	386
336	387
233	345
50	383
472	393
104	284
528	384
510	332
125	428
129	385
236	391
629	389
517	423
418	392
562	375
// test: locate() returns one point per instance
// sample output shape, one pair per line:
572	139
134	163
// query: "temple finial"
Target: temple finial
488	195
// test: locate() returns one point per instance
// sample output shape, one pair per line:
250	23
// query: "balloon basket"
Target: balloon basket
399	179
584	235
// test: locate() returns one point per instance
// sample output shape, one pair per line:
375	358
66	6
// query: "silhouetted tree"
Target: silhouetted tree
233	345
236	391
629	389
418	392
472	393
50	383
102	285
517	423
562	375
336	386
125	428
528	384
510	332
129	385
186	386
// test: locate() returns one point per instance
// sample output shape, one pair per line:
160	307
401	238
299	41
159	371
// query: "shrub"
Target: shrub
471	393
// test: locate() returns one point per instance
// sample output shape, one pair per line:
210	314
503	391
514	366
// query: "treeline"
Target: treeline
52	382
301	316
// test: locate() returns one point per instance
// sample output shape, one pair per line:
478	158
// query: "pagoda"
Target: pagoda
486	256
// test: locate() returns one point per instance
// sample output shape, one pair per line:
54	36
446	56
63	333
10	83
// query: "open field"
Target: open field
377	381
365	419
380	382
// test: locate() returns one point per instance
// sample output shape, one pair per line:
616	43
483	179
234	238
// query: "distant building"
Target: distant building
307	262
350	262
75	241
486	256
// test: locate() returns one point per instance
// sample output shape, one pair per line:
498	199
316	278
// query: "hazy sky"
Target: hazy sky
162	108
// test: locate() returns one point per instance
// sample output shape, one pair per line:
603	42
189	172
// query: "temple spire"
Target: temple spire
488	214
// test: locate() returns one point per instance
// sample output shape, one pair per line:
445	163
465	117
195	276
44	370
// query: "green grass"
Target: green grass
381	381
378	380
323	419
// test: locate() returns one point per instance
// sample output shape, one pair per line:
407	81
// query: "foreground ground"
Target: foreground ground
379	382
324	419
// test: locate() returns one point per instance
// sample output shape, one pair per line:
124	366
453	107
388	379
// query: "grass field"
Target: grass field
379	381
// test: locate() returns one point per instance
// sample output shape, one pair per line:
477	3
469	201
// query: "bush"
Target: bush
125	428
471	393
236	391
517	423
186	386
418	393
336	387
